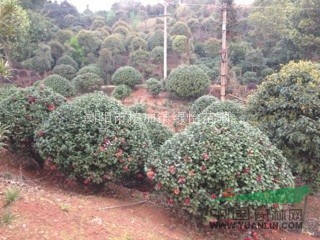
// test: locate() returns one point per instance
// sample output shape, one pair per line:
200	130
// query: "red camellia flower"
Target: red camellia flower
254	235
246	170
158	186
213	196
205	156
41	133
119	153
151	174
176	191
31	99
203	168
191	173
86	181
51	107
187	201
139	176
170	201
259	178
126	168
172	169
181	179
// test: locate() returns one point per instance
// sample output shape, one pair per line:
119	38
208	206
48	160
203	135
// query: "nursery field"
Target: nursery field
181	120
50	207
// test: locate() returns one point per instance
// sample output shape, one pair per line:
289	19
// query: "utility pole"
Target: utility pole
165	42
224	53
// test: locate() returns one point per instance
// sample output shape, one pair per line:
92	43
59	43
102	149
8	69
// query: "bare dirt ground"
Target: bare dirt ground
51	208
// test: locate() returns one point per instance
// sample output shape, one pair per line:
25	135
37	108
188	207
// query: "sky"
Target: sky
95	5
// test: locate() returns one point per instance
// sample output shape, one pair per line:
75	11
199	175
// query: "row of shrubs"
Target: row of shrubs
185	81
229	150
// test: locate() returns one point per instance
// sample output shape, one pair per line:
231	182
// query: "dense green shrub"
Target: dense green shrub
159	133
115	43
121	24
228	106
212	72
122	30
129	40
42	60
154	86
139	108
157	55
121	92
188	81
93	68
89	41
87	82
59	84
287	107
7	90
3	136
193	24
137	43
126	75
202	102
67	60
155	39
94	139
209	25
266	72
212	47
180	28
24	111
217	159
180	44
65	71
249	77
139	59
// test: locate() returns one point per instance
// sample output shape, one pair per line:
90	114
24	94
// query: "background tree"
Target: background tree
14	22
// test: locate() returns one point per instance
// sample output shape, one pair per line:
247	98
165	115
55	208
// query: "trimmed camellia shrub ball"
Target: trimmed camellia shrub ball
228	106
154	86
93	68
139	108
188	81
121	92
59	85
202	102
94	139
126	75
87	82
201	167
6	90
65	71
24	111
159	133
67	60
287	107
